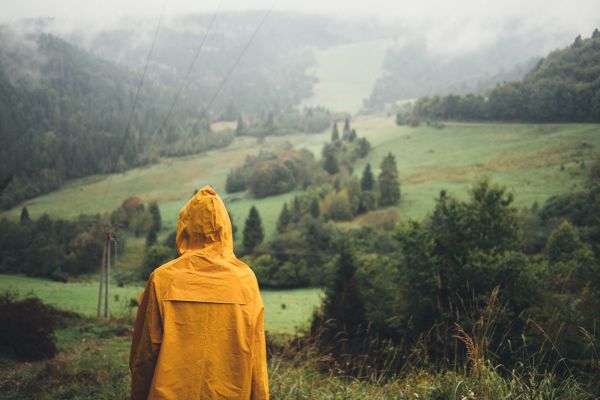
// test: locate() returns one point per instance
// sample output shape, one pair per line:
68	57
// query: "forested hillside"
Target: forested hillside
563	87
65	111
63	114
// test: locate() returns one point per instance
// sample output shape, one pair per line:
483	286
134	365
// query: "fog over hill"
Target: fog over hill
470	50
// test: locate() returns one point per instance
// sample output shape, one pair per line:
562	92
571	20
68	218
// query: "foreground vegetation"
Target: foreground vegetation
93	356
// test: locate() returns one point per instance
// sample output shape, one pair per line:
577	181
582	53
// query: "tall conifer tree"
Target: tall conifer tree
253	230
389	186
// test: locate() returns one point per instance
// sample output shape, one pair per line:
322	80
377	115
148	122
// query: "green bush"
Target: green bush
27	328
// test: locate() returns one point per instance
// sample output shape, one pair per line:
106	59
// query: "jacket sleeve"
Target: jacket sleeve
260	381
147	337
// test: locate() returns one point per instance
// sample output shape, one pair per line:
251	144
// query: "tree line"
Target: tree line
562	87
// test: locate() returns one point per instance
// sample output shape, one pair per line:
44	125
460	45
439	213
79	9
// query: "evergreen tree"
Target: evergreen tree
25	219
330	163
346	130
285	218
335	134
296	210
253	230
563	243
240	129
389	186
156	218
352	135
578	41
315	209
343	302
367	181
596	34
151	238
363	147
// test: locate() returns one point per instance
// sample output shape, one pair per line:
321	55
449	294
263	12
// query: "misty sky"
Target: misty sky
450	26
566	13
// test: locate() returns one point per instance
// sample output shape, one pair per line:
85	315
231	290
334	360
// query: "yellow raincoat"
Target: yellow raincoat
199	331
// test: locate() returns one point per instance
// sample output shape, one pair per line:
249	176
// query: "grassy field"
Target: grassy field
171	183
285	310
346	74
533	161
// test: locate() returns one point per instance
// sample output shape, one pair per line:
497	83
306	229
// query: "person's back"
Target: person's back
199	330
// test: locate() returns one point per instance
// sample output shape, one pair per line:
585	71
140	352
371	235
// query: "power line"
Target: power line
139	89
225	78
218	91
191	67
182	86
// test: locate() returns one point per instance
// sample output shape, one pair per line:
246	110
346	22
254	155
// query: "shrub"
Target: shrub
27	328
156	256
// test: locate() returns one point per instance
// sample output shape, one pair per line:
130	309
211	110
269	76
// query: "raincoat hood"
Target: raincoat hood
204	225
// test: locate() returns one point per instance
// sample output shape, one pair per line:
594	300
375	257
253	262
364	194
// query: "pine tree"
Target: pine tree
389	186
156	218
315	209
296	212
330	163
240	129
578	41
151	238
343	301
563	242
352	136
25	219
253	230
367	181
335	134
346	130
285	217
596	34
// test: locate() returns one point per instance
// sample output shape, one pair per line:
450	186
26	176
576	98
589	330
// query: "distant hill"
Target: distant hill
63	114
417	66
562	87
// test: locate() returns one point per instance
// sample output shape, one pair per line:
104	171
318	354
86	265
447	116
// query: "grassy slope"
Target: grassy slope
526	158
346	74
82	297
170	182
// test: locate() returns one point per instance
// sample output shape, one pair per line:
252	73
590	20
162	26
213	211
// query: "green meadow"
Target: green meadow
533	161
286	311
346	74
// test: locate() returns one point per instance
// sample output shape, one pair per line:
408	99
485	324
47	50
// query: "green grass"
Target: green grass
346	74
82	297
533	161
171	183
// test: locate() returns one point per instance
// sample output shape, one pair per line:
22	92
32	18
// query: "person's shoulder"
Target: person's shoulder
165	271
247	278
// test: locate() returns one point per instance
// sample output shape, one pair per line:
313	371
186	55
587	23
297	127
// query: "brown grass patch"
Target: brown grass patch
447	174
223	125
553	155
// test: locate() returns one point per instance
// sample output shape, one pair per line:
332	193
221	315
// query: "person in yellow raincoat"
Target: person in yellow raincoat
199	331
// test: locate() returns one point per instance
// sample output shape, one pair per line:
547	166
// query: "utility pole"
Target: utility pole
110	240
107	274
103	262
